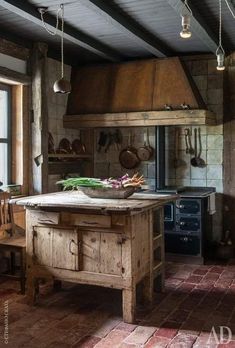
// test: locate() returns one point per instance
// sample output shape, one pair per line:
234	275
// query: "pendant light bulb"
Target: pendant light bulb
220	53
186	15
186	33
220	61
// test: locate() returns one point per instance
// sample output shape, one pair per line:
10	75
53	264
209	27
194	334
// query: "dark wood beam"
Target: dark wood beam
13	77
199	26
129	26
30	13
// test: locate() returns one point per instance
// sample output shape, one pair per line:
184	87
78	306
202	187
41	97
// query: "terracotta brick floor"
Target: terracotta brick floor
197	298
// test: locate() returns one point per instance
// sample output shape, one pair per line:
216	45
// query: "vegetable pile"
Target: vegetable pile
123	182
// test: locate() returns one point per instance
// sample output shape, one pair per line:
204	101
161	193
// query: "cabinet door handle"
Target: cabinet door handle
79	245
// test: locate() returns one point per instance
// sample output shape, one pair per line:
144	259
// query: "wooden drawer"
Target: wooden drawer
86	220
45	218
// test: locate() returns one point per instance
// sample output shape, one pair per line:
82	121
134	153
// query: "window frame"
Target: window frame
8	140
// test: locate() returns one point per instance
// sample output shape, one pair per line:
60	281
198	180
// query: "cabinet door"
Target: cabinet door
56	247
65	249
110	253
101	252
42	245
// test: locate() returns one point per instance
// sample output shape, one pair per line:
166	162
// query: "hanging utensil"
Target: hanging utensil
194	159
118	138
102	141
128	156
145	152
186	133
177	161
191	150
200	162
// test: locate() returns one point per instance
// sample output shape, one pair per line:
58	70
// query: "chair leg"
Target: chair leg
12	262
22	270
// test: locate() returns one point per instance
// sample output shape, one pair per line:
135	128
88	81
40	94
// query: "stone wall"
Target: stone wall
210	84
57	104
229	147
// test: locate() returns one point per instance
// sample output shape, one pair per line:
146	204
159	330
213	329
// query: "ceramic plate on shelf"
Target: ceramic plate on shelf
65	146
78	147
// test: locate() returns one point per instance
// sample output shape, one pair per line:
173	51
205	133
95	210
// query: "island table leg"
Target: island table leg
129	305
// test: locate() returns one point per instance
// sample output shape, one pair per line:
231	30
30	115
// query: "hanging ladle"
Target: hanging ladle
194	162
191	149
200	162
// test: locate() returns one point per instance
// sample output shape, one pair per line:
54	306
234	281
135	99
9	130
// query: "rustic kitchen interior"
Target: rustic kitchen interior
117	186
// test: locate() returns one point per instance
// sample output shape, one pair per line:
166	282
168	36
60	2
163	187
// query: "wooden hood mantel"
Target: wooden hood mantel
135	94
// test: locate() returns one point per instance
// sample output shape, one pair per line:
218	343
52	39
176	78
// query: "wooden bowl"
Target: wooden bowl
109	193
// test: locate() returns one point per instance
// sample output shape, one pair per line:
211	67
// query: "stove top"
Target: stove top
183	191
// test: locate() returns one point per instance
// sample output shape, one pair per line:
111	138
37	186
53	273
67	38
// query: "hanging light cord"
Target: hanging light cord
62	40
60	12
53	33
230	9
187	6
220	47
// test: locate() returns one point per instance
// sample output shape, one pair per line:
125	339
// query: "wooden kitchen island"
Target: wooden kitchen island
114	243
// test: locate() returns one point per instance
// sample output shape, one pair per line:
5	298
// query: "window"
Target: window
5	134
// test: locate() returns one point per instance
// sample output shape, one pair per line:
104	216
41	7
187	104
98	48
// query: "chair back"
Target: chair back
6	212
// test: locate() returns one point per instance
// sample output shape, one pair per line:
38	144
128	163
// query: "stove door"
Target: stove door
182	244
188	206
188	224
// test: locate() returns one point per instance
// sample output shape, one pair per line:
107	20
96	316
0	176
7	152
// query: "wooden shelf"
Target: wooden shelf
142	118
64	167
69	155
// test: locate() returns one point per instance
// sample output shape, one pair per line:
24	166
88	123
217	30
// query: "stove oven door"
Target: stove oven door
188	224
188	206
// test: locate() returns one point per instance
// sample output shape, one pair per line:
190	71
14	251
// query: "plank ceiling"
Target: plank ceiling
116	30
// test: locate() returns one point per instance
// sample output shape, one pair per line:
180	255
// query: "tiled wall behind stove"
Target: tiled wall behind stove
57	104
210	84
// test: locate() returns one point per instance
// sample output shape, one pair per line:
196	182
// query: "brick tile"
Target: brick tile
106	327
200	272
126	327
113	339
227	275
157	342
87	342
168	332
194	279
212	275
217	269
227	345
140	335
125	345
183	340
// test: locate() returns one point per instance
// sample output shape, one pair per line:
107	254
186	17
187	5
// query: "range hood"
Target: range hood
156	92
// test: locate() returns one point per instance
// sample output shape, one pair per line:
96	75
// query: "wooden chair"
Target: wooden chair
10	241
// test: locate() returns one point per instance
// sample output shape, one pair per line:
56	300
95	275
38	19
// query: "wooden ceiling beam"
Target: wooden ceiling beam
128	26
30	13
199	26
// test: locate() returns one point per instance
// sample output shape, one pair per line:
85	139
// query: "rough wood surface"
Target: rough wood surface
7	75
174	86
12	49
40	118
133	86
78	200
118	256
141	118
